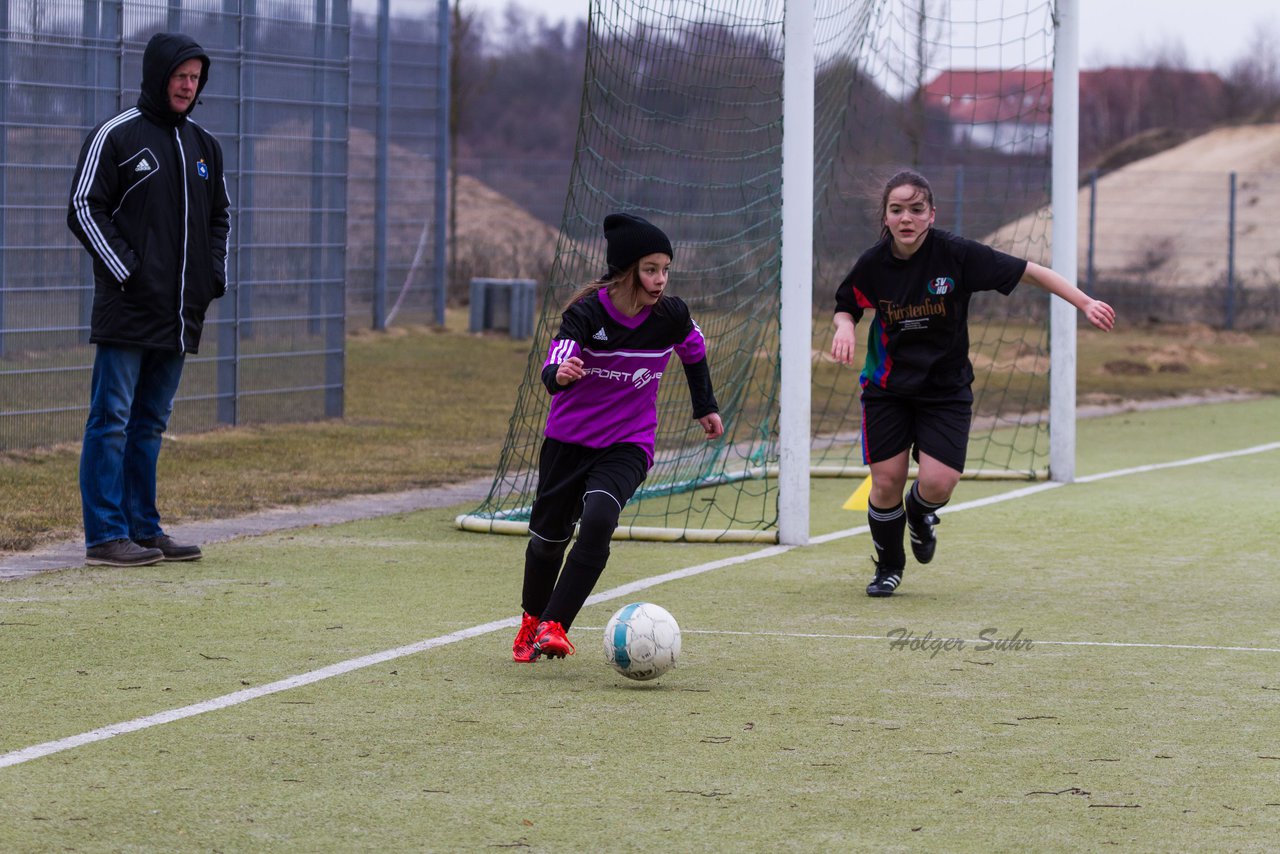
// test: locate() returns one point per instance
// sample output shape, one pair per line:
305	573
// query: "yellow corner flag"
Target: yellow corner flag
858	501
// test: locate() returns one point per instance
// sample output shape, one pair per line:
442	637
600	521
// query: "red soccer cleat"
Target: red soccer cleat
523	648
551	641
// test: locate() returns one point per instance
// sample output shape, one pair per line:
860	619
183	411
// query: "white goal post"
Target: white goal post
796	324
1064	195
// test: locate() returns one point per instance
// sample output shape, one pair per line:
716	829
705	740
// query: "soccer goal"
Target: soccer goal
758	136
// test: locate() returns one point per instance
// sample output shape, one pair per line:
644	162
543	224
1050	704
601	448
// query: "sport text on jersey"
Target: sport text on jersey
639	378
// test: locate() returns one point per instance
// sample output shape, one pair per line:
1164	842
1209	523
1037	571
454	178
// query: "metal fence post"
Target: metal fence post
382	147
334	251
227	371
444	31
320	96
247	184
4	160
1230	319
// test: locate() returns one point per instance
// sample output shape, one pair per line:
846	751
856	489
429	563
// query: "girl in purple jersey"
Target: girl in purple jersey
602	370
917	395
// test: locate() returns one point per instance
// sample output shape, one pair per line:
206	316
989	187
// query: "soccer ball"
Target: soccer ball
642	641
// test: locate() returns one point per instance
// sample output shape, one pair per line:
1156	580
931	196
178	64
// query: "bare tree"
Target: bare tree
1160	92
1253	80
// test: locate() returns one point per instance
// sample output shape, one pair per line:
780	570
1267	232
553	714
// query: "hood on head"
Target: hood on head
164	53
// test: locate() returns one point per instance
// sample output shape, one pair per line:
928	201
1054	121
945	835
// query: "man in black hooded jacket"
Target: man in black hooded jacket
149	203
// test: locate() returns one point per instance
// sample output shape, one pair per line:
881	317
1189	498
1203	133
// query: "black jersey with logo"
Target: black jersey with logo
919	340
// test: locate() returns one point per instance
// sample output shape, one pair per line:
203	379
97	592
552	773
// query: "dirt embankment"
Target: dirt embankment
493	237
1164	219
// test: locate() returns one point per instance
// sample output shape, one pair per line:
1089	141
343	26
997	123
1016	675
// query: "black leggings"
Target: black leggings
590	487
561	599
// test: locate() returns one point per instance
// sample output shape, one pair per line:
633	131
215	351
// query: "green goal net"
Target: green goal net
681	122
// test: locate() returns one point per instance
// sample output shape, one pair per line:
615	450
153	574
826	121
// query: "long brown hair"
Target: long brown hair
628	281
605	281
905	178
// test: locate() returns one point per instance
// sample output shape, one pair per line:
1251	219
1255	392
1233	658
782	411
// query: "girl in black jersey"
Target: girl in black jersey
917	378
603	370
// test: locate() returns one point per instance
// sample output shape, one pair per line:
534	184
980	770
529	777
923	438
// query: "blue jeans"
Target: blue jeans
129	406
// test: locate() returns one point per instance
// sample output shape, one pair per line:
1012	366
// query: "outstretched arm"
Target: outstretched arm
1095	311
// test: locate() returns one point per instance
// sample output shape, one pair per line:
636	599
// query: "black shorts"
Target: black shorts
936	425
568	472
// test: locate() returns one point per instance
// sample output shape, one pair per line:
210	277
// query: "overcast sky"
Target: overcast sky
1214	33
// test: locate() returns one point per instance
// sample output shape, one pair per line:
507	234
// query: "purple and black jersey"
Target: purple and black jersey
624	359
919	341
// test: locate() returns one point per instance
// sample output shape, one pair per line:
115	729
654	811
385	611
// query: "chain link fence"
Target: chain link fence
1183	247
1170	245
333	124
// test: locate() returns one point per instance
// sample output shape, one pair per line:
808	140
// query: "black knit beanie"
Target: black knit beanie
630	238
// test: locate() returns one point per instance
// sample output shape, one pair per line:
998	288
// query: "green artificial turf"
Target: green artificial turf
1131	704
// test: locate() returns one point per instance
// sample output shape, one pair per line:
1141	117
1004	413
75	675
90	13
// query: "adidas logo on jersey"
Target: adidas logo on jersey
600	336
143	166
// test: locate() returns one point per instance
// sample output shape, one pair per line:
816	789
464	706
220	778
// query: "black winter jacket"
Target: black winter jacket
149	202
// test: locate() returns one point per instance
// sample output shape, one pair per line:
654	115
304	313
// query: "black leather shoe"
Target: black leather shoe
121	553
171	550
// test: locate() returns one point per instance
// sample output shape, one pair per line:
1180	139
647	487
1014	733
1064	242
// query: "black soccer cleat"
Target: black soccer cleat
923	541
886	581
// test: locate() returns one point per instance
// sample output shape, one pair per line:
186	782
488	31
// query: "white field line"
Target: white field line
37	751
1191	461
17	757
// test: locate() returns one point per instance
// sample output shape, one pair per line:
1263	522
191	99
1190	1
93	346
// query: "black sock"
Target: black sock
887	528
916	506
581	572
542	561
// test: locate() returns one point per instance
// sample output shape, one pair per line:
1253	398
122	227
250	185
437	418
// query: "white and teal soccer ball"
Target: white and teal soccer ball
642	641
